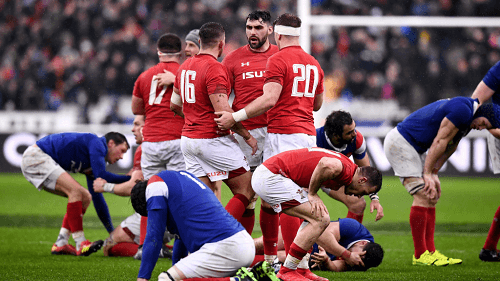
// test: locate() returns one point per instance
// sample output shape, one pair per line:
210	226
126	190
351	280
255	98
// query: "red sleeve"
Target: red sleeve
229	67
137	87
217	80
275	70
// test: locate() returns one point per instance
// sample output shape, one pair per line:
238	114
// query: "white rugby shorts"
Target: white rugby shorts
213	158
260	135
133	223
161	156
219	259
494	151
40	169
276	189
404	159
277	143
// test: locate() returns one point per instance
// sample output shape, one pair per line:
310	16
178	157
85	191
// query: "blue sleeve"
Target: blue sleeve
459	113
97	154
100	206
154	239
180	251
492	78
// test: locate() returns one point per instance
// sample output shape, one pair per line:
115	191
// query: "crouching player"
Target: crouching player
219	245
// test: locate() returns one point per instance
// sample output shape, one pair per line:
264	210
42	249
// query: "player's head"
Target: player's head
340	128
258	27
486	117
169	45
286	25
366	180
192	43
136	128
117	146
213	35
138	198
372	258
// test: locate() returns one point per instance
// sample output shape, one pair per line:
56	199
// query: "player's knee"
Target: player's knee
86	196
357	206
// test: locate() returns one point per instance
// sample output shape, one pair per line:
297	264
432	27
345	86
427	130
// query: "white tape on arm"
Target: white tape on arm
176	99
240	115
109	187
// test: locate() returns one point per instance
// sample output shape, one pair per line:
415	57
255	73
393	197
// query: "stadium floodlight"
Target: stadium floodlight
304	12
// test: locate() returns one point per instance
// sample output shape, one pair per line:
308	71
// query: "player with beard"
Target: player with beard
340	134
293	89
246	67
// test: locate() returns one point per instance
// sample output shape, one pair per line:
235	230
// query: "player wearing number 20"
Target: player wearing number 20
293	89
162	129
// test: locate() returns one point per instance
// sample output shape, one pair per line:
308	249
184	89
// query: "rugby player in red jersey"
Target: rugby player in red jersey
292	178
202	87
293	89
246	67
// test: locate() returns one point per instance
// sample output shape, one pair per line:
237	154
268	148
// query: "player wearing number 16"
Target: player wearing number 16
293	89
162	129
202	87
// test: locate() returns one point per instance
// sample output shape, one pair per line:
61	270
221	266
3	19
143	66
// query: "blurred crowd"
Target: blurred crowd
54	52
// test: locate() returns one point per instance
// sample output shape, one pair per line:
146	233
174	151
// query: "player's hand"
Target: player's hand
319	258
225	120
318	208
375	205
430	185
252	142
99	185
355	259
165	79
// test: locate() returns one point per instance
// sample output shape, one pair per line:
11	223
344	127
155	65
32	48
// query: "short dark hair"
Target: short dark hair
373	257
211	33
138	198
169	43
118	138
288	20
373	175
265	16
335	122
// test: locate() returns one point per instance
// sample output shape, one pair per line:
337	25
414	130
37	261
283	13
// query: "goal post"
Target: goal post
308	20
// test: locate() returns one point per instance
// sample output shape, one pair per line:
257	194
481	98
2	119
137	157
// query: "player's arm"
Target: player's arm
272	91
482	92
329	241
318	102
157	224
220	103
327	168
121	189
438	153
138	106
176	103
495	132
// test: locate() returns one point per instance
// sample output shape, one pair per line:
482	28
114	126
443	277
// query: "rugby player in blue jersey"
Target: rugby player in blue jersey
339	134
46	165
218	244
485	90
436	129
326	255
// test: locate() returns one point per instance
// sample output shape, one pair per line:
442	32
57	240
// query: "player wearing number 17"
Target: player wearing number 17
162	129
293	89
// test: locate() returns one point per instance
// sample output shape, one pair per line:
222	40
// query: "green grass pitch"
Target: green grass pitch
30	221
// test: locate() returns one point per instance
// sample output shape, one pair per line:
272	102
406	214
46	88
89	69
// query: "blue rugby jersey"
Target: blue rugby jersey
421	127
189	209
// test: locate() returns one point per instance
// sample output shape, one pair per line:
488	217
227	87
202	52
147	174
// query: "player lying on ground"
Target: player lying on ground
349	235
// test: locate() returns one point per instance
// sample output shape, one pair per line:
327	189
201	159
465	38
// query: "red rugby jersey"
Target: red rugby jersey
197	78
160	123
246	70
299	164
302	79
